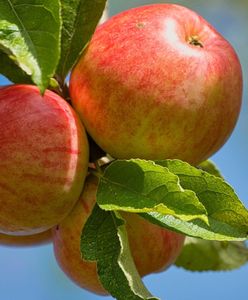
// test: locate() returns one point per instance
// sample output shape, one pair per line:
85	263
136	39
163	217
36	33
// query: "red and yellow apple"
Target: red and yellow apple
32	240
158	82
43	159
153	248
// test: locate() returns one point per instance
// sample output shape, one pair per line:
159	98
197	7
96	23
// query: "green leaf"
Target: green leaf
209	166
30	35
80	18
8	69
142	186
196	228
104	240
228	218
202	255
219	198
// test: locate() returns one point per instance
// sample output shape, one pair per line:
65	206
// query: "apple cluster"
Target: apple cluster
155	82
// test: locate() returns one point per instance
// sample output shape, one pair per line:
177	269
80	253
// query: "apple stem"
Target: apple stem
98	167
95	172
61	89
194	40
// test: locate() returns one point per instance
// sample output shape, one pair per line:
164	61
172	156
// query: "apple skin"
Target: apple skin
44	159
38	239
153	248
158	82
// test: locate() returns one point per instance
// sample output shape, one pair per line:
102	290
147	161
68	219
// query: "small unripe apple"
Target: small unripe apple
38	239
158	82
43	159
153	248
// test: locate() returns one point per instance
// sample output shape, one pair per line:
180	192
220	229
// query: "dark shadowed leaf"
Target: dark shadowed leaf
9	69
80	18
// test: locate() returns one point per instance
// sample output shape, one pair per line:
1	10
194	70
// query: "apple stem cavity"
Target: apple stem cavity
194	40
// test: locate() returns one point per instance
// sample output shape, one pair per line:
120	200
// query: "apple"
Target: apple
153	248
43	159
38	239
158	82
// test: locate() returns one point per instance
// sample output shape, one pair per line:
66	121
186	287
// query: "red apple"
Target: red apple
153	248
43	159
38	239
158	82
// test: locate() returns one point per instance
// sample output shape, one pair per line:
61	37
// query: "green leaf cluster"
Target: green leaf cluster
46	43
175	195
195	201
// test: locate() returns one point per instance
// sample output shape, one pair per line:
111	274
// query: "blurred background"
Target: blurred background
32	273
